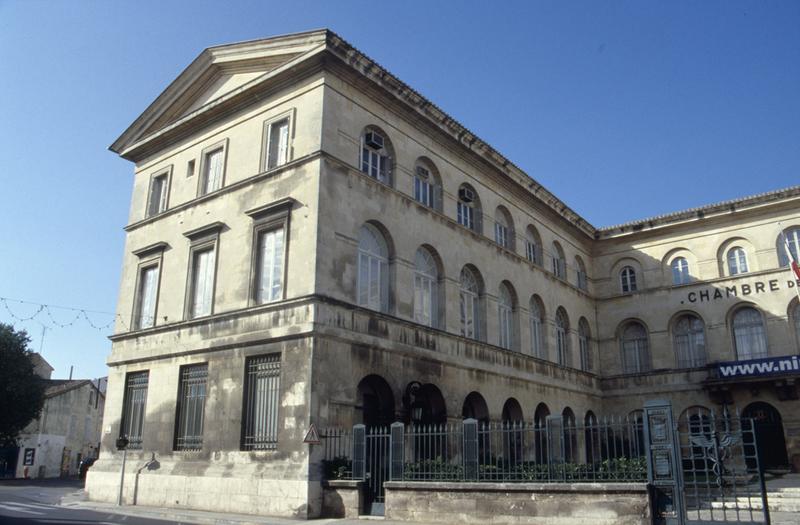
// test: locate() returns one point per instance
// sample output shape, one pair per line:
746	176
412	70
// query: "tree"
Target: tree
21	390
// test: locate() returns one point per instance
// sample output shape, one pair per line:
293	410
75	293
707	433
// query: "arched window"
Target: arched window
562	338
505	316
470	297
627	280
533	245
426	288
583	342
583	280
690	341
503	228
376	157
468	208
635	349
737	261
680	271
373	269
749	338
537	328
559	261
570	435
427	186
790	237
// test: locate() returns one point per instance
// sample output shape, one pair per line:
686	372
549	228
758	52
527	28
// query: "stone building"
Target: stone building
312	241
67	430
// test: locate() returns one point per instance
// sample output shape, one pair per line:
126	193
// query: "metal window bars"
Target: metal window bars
262	387
134	407
191	407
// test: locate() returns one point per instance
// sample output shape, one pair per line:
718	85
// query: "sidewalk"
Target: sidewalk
77	500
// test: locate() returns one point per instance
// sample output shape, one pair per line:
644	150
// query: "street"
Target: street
27	502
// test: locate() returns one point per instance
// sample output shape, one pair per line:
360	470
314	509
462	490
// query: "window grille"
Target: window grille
262	396
191	407
133	408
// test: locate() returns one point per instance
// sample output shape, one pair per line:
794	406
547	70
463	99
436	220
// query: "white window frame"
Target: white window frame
749	338
370	159
149	257
690	346
202	181
201	239
638	348
426	292
627	280
737	261
267	161
537	331
505	318
368	263
155	207
680	271
267	219
466	215
424	188
469	308
562	340
792	235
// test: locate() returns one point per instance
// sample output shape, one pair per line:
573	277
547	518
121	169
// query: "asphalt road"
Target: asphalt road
36	502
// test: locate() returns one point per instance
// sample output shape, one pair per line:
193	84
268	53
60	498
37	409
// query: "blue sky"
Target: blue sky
622	109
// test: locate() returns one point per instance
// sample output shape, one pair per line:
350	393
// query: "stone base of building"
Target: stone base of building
529	503
211	491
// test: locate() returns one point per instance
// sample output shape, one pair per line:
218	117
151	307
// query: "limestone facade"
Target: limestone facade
514	295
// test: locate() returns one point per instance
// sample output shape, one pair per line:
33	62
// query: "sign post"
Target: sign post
122	444
663	469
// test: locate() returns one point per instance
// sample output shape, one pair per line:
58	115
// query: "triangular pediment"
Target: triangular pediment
217	73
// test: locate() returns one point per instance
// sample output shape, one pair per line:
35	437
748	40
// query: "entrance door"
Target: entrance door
768	429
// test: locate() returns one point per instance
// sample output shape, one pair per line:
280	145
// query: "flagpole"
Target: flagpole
791	260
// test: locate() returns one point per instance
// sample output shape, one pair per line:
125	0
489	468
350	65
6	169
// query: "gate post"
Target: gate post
359	452
663	464
470	449
396	451
555	444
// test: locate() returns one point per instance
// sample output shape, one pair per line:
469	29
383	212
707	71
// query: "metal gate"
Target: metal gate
371	464
707	470
722	477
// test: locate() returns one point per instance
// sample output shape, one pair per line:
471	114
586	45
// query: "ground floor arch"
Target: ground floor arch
769	434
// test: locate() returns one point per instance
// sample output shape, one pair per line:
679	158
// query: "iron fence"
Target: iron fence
610	449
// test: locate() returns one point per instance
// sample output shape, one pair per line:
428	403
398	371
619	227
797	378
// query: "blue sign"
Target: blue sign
759	367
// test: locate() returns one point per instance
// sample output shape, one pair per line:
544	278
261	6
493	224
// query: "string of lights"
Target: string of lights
80	314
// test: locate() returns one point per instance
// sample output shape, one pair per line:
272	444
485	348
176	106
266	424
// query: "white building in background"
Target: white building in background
67	430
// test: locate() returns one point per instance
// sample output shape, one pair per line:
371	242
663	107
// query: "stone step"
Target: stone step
743	503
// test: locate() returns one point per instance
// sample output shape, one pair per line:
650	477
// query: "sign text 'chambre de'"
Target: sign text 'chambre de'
715	293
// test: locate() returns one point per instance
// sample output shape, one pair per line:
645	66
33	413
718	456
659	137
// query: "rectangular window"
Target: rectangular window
201	283
269	265
146	298
466	216
501	235
583	341
190	169
159	191
261	402
133	408
212	171
530	252
191	407
278	144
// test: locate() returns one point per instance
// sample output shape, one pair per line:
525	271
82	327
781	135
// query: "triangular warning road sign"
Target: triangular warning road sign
312	436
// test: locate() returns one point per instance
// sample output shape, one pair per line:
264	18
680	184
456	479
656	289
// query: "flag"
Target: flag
791	256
